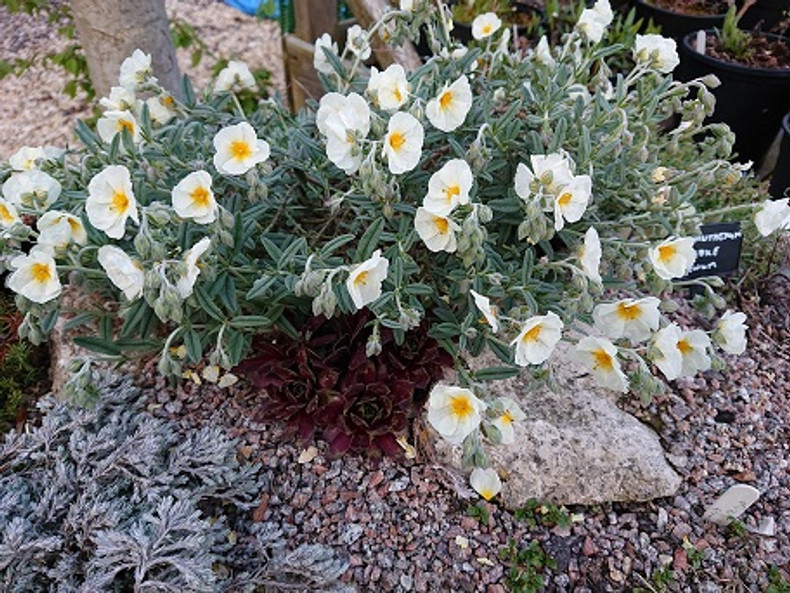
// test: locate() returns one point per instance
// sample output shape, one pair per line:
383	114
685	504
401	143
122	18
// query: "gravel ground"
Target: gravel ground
46	116
406	528
404	524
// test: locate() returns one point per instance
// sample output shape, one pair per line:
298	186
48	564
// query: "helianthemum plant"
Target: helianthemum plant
487	198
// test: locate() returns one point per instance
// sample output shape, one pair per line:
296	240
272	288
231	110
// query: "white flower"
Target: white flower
186	284
571	201
486	482
543	53
693	346
511	412
60	228
657	51
135	70
357	42
344	121
538	337
673	258
26	158
115	122
454	412
403	142
364	280
600	356
593	21
449	187
390	87
161	109
730	332
193	198
772	216
436	231
125	273
320	61
406	5
235	75
238	149
628	318
31	189
8	214
665	353
551	171
485	25
449	109
111	201
483	303
590	255
119	99
35	276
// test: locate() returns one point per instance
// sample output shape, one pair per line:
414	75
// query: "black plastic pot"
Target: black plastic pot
752	101
766	13
780	181
676	24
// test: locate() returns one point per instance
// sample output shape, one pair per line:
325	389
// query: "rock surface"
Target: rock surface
576	446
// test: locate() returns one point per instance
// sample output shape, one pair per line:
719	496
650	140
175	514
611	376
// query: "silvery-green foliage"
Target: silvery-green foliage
289	231
111	498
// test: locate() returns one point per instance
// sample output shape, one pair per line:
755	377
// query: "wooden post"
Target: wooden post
313	18
368	12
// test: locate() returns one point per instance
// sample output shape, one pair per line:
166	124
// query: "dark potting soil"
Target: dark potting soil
692	7
763	53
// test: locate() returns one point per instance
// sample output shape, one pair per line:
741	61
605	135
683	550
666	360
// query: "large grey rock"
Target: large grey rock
576	446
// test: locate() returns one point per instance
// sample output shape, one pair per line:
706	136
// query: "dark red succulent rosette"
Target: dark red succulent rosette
325	382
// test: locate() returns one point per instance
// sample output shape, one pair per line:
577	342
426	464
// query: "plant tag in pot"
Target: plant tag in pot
699	43
731	504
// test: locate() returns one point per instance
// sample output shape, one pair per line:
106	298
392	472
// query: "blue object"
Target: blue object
262	8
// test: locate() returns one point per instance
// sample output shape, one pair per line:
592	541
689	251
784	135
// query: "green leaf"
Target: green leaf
260	287
193	345
236	345
207	304
250	321
444	330
99	345
290	252
271	248
502	351
419	289
496	373
335	244
369	241
79	320
135	345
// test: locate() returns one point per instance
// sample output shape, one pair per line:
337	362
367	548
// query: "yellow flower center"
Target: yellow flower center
628	312
361	278
441	225
461	407
533	334
603	360
486	29
124	124
666	253
120	201
73	223
452	191
240	150
487	494
397	140
685	347
565	199
506	417
5	213
41	272
200	197
445	99
168	102
398	95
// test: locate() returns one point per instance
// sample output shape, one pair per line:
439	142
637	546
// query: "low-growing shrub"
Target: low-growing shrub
111	498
